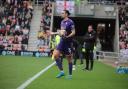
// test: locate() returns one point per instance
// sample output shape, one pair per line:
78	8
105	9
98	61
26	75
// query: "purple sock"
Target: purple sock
70	68
59	64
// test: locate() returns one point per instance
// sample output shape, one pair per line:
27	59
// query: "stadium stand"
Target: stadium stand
43	33
15	20
123	32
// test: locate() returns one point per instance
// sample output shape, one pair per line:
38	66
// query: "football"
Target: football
62	32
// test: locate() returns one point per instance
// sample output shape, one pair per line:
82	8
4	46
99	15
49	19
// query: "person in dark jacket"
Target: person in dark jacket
89	40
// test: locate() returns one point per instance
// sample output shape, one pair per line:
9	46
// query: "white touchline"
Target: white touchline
27	82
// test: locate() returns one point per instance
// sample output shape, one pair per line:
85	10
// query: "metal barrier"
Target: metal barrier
112	55
104	2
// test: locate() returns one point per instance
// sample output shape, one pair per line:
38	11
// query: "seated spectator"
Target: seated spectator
41	25
19	47
25	40
40	34
14	47
41	49
122	45
30	6
23	47
17	27
27	25
40	42
16	40
126	25
10	40
1	40
25	31
5	43
8	22
20	39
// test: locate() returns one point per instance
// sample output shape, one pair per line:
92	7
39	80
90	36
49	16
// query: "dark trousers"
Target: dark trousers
97	53
75	57
89	59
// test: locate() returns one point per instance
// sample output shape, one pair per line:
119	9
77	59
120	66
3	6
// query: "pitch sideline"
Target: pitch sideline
27	82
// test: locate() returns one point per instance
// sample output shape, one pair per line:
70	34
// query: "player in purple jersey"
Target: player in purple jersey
64	46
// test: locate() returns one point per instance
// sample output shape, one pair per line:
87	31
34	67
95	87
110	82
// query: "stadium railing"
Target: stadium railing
122	58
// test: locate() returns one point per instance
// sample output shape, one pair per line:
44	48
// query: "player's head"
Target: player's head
90	28
65	13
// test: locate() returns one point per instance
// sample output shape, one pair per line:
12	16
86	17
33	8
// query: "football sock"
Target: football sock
70	68
59	64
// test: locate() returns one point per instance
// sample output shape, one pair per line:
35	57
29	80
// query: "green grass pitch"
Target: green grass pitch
14	70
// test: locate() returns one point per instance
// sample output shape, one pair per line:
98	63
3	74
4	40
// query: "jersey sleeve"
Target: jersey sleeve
72	25
62	26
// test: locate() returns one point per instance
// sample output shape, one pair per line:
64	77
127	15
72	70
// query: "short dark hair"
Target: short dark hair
67	12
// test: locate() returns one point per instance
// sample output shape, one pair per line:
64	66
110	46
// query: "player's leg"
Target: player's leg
87	60
74	60
69	58
57	53
91	59
57	58
81	57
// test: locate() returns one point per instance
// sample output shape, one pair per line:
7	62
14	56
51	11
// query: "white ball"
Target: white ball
62	32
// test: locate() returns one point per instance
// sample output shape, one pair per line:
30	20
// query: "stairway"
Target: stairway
35	26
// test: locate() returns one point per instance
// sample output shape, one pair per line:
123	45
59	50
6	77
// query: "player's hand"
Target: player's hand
51	33
64	37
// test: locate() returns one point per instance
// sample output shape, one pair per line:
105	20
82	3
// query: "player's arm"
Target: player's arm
55	33
71	34
72	31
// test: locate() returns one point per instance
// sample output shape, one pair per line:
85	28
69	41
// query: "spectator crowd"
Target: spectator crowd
123	32
15	20
43	33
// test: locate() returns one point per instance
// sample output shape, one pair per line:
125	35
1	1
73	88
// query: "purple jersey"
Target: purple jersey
65	44
67	25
